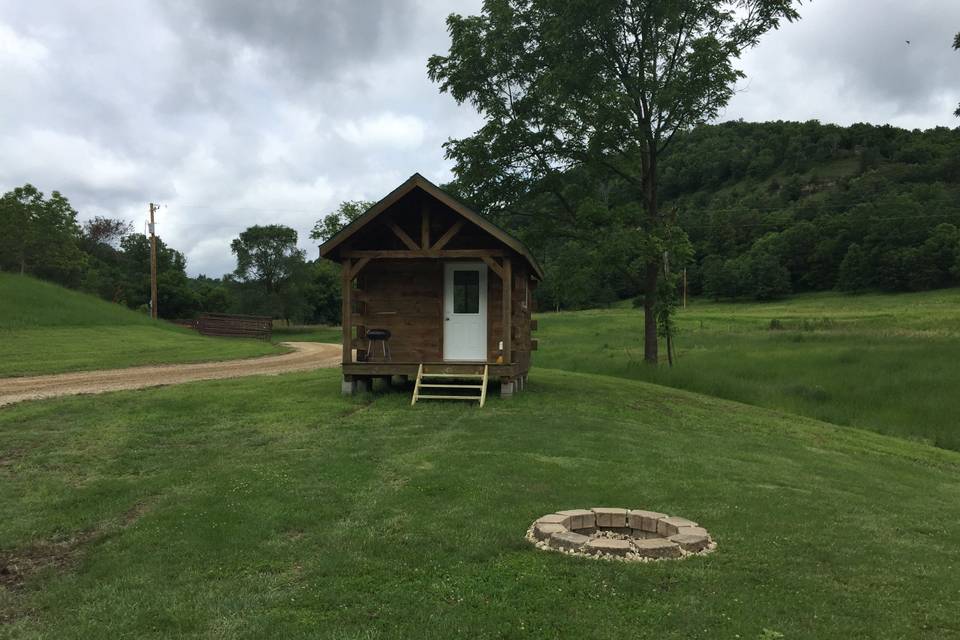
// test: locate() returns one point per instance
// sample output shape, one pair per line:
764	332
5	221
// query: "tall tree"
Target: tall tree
110	231
40	235
563	83
332	223
266	255
273	276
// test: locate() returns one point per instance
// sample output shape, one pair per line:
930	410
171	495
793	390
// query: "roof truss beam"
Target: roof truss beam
447	236
404	238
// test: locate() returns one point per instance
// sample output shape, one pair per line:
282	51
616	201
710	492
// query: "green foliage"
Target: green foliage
818	201
102	230
323	294
272	276
602	86
855	273
749	230
175	296
266	255
331	224
40	236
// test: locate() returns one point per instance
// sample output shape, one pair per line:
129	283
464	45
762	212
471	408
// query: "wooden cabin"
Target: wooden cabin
454	291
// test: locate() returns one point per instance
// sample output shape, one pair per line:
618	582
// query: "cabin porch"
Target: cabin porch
358	376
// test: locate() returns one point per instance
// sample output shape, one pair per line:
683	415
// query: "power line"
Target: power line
254	209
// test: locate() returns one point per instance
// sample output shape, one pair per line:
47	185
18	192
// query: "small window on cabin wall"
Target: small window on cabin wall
466	291
526	295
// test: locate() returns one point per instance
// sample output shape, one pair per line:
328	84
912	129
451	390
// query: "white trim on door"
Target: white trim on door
465	312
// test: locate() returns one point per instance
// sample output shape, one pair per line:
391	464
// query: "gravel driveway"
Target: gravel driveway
306	356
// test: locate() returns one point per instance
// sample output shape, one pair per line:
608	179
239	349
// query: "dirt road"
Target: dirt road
306	356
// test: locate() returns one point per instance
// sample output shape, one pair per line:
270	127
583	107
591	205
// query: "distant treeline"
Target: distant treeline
769	209
40	236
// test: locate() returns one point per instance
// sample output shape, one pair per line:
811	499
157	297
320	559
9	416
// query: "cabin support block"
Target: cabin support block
355	384
506	388
348	387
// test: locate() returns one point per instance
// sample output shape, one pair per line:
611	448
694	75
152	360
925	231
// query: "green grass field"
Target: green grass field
886	363
48	329
274	507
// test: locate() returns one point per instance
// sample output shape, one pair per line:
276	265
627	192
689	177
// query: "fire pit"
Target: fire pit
630	535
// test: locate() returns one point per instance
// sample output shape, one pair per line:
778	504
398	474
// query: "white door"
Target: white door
465	311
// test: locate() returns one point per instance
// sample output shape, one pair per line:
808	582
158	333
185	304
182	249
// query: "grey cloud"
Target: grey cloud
848	60
235	113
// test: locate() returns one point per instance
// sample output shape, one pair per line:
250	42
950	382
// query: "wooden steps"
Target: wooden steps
453	381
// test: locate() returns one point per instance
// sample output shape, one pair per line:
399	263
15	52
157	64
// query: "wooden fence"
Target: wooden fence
234	326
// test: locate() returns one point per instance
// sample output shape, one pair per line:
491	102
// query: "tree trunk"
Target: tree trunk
650	354
649	169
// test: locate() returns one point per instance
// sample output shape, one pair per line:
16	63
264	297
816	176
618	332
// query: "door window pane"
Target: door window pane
466	291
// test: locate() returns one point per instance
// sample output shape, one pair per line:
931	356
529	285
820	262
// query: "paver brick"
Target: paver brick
692	542
608	517
555	518
657	548
608	545
645	520
667	527
568	540
579	518
544	531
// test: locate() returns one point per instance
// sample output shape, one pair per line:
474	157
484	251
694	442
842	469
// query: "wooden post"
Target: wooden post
346	268
425	228
507	305
153	263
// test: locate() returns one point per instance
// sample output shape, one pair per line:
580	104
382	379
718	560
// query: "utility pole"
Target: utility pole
153	262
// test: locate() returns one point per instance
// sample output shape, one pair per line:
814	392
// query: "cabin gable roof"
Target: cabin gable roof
329	248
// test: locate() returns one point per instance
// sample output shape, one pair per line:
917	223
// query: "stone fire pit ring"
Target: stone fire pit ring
629	535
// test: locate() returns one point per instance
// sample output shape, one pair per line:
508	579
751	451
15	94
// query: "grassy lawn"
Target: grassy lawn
887	363
48	329
274	507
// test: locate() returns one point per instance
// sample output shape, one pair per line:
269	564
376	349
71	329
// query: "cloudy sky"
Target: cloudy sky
236	113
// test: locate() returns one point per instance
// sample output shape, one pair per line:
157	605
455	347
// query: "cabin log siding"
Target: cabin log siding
393	260
406	298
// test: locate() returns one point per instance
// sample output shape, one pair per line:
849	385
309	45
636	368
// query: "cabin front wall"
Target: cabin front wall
406	297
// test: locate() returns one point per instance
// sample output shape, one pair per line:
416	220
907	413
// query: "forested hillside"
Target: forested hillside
40	236
769	209
778	207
